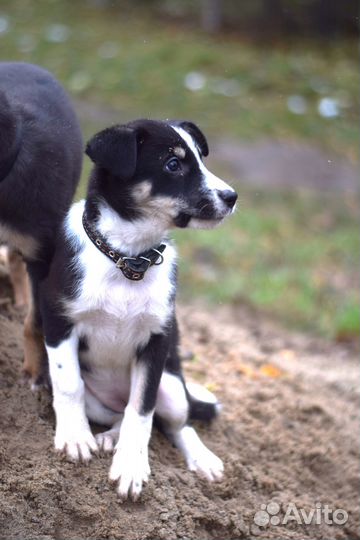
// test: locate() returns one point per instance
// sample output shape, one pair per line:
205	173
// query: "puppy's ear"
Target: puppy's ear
115	150
197	135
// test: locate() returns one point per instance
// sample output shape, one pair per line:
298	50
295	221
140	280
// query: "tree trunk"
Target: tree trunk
211	15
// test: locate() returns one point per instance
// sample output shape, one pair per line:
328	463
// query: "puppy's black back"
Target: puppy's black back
40	151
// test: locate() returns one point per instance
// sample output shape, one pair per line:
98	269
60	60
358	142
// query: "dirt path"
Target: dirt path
288	433
271	164
266	163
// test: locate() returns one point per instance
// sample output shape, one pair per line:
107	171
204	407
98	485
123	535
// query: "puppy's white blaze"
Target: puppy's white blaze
212	182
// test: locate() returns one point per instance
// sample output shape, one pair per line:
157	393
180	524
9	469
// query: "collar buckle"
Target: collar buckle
120	263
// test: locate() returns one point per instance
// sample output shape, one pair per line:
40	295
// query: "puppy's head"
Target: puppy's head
156	169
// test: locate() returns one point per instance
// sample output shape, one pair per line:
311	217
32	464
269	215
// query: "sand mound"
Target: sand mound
288	434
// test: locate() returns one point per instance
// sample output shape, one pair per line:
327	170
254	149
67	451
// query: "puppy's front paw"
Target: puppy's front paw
130	468
76	444
207	465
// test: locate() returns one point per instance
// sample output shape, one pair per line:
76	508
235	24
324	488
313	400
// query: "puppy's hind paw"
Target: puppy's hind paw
106	441
208	466
198	457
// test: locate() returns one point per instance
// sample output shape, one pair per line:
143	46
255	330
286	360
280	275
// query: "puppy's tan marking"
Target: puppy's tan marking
164	208
18	277
179	152
158	206
34	347
142	191
23	242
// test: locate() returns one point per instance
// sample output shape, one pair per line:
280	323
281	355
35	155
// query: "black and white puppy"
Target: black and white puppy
41	154
109	303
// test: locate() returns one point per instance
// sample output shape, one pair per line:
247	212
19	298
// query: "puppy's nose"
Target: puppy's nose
228	196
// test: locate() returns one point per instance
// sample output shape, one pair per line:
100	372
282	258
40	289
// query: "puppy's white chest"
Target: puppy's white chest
116	315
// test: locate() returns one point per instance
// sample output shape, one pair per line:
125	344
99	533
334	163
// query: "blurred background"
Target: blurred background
274	85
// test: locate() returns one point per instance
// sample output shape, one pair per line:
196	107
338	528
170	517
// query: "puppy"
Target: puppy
40	165
108	304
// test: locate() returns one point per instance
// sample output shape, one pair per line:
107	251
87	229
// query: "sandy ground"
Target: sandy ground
288	434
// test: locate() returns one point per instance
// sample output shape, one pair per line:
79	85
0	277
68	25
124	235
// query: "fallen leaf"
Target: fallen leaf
212	386
269	370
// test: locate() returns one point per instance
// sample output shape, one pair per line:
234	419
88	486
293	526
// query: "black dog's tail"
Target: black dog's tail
203	404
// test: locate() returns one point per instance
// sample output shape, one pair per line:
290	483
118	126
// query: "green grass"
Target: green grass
143	73
292	255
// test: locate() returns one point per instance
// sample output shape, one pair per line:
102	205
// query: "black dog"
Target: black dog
108	304
40	165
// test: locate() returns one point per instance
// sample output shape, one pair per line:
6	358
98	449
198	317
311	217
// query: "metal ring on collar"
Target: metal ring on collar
156	263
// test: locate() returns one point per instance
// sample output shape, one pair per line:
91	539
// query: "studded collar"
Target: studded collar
133	268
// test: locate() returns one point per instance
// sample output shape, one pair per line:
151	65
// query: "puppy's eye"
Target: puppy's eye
173	165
